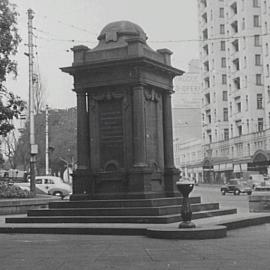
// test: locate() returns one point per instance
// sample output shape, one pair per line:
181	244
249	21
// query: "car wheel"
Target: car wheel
249	193
223	192
237	192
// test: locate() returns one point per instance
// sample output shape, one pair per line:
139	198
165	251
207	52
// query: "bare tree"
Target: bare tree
10	143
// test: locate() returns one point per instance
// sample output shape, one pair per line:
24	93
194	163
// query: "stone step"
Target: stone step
70	228
122	211
122	203
117	219
213	213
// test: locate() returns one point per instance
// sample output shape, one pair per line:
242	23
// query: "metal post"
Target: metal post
33	147
47	140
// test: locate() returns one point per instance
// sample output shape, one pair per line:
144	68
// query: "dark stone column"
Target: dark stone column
139	127
82	132
140	174
168	132
171	174
81	177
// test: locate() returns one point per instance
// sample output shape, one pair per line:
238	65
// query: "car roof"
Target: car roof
48	177
235	180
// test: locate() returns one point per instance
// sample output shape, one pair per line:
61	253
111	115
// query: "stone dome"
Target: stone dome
126	29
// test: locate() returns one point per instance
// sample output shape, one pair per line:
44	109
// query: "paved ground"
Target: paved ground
242	249
245	249
211	193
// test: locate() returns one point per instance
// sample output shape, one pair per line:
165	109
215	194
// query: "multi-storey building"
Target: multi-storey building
235	79
187	87
186	103
188	158
265	22
186	121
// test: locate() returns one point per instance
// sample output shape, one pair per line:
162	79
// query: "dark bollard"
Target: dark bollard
185	188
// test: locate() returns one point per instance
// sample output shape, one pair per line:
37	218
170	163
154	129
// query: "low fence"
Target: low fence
21	206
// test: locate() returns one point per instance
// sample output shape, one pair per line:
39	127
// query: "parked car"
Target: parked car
255	180
51	185
236	186
265	186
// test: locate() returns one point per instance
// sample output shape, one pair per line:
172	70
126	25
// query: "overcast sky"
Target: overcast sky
58	22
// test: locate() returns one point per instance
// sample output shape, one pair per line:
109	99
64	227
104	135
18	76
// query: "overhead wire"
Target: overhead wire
72	26
63	40
52	38
79	28
151	41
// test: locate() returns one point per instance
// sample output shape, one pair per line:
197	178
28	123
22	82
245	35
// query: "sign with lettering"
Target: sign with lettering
111	131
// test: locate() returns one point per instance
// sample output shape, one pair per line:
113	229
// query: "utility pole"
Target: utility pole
47	140
33	146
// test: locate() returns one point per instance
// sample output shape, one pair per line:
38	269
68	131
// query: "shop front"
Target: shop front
260	162
208	171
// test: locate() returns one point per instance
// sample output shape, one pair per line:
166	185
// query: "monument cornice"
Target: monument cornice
86	87
126	61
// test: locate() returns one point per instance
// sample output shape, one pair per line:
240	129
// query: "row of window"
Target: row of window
239	130
234	25
235	44
236	63
233	6
234	9
237	149
188	157
237	82
238	106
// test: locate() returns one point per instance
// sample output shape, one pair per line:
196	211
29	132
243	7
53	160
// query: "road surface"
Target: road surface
212	194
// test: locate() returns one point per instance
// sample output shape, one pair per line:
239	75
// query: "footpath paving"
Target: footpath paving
244	249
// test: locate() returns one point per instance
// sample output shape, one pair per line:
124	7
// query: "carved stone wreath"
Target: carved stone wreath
107	95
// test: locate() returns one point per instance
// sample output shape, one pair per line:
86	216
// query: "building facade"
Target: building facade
188	158
234	58
187	122
186	103
187	87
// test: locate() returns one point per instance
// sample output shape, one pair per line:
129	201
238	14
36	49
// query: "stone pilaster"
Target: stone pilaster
168	132
139	142
171	174
140	175
82	185
82	132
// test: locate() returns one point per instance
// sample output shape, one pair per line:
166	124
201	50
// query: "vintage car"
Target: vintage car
236	186
51	185
255	180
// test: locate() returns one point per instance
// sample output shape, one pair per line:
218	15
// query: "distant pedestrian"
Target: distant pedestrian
67	176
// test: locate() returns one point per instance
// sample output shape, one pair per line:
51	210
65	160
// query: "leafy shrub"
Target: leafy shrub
8	190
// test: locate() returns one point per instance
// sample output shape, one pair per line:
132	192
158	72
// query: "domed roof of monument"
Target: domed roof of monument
122	28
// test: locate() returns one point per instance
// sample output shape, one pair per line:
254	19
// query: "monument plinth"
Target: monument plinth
124	124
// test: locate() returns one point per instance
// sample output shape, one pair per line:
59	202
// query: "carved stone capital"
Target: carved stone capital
152	95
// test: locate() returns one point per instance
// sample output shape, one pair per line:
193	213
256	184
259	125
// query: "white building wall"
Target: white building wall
265	13
251	101
187	87
212	53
